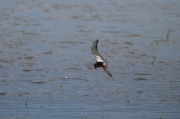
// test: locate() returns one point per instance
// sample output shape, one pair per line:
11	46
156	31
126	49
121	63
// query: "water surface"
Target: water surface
46	64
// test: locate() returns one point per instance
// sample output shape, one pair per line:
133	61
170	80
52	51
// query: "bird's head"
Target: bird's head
95	66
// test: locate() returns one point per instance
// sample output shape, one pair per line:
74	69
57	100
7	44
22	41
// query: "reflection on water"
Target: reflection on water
46	64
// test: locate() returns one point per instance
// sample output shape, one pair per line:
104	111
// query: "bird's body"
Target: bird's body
100	61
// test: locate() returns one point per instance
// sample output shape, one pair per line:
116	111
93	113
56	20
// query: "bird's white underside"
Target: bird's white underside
99	59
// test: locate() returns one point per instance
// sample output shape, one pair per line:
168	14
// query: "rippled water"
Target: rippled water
46	64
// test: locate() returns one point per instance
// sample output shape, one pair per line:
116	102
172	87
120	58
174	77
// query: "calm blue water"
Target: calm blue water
46	59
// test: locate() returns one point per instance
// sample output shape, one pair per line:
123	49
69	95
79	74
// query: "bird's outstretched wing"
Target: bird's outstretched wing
107	71
94	49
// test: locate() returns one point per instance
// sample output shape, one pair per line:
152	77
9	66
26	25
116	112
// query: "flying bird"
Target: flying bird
100	61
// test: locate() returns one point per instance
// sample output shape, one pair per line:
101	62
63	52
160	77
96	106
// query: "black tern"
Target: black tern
100	61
